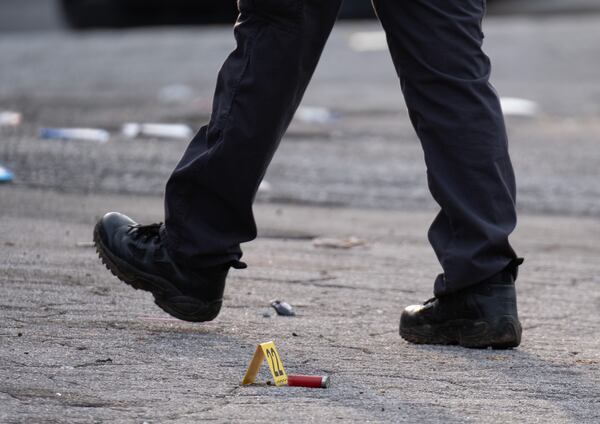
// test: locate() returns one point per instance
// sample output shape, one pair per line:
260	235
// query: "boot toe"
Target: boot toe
411	316
110	224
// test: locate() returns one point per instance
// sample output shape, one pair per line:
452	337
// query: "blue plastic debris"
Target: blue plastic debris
83	134
5	175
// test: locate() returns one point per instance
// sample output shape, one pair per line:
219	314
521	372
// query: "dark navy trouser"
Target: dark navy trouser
436	49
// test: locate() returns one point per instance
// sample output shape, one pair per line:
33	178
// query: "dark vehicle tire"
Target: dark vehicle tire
82	14
86	14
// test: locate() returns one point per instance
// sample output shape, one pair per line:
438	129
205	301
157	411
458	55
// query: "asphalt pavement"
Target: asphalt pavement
104	79
76	345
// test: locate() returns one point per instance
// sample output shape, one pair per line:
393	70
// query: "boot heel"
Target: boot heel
506	333
502	333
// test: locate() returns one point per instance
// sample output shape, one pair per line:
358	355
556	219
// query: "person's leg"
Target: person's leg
436	49
208	202
209	196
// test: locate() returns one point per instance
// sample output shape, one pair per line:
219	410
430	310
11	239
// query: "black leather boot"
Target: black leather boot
481	316
135	254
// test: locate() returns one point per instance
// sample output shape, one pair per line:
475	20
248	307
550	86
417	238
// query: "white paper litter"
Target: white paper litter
10	119
368	41
175	131
513	106
315	115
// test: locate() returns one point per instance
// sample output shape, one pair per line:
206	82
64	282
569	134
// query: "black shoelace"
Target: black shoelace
145	232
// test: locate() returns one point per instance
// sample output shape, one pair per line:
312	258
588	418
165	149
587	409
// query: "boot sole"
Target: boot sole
501	333
166	296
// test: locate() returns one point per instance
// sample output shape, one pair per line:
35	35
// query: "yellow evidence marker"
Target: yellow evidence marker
269	352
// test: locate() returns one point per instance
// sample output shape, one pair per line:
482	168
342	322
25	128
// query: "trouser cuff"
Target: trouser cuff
199	261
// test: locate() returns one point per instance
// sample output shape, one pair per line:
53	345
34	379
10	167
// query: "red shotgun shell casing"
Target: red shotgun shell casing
316	381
